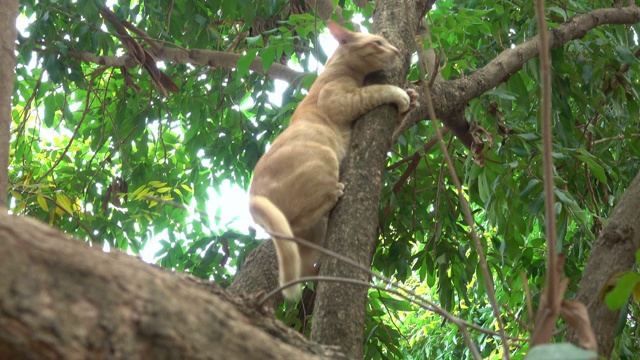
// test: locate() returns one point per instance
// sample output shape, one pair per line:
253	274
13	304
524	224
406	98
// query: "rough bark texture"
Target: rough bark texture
61	299
259	273
612	253
8	33
353	224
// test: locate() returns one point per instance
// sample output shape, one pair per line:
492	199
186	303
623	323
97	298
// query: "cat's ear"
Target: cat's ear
339	33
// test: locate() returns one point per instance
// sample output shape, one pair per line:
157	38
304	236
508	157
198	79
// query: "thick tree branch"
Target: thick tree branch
63	299
451	97
511	60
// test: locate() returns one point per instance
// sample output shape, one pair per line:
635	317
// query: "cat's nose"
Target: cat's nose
395	50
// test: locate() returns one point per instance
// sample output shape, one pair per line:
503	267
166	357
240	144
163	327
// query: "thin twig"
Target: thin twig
527	294
368	271
552	310
466	209
410	296
73	137
621	136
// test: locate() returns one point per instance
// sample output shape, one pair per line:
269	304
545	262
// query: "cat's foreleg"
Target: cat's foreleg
345	106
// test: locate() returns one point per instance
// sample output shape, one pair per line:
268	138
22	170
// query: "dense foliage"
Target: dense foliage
109	155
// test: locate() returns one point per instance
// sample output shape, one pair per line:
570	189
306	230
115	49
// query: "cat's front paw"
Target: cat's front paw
413	99
403	100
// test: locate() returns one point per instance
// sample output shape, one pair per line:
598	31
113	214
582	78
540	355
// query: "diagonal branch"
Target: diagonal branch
217	59
511	60
451	97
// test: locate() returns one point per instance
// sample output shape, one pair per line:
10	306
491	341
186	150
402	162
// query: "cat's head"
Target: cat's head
367	52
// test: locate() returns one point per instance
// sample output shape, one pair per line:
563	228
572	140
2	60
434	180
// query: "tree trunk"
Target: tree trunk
259	274
62	299
8	33
339	316
613	252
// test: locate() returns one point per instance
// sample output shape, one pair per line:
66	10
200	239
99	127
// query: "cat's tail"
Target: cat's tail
267	215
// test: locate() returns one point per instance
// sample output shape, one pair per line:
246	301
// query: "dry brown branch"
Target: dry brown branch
216	59
466	210
576	315
549	307
401	291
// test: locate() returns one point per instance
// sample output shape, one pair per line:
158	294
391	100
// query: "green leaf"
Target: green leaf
594	167
255	40
484	189
502	94
587	73
268	56
245	62
517	85
530	136
561	351
201	20
625	54
89	10
533	183
229	9
42	202
50	107
623	289
564	197
396	304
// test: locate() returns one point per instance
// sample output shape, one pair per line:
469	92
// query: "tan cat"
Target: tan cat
295	184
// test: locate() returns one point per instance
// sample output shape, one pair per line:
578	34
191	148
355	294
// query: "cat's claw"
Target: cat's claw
339	190
413	99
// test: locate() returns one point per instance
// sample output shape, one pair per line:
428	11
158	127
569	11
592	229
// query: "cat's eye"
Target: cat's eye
379	43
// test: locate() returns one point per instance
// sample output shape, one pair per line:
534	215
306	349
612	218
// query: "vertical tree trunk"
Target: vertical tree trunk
8	33
353	224
613	252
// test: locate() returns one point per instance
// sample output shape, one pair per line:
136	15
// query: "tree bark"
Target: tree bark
613	252
62	299
8	34
259	274
352	230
